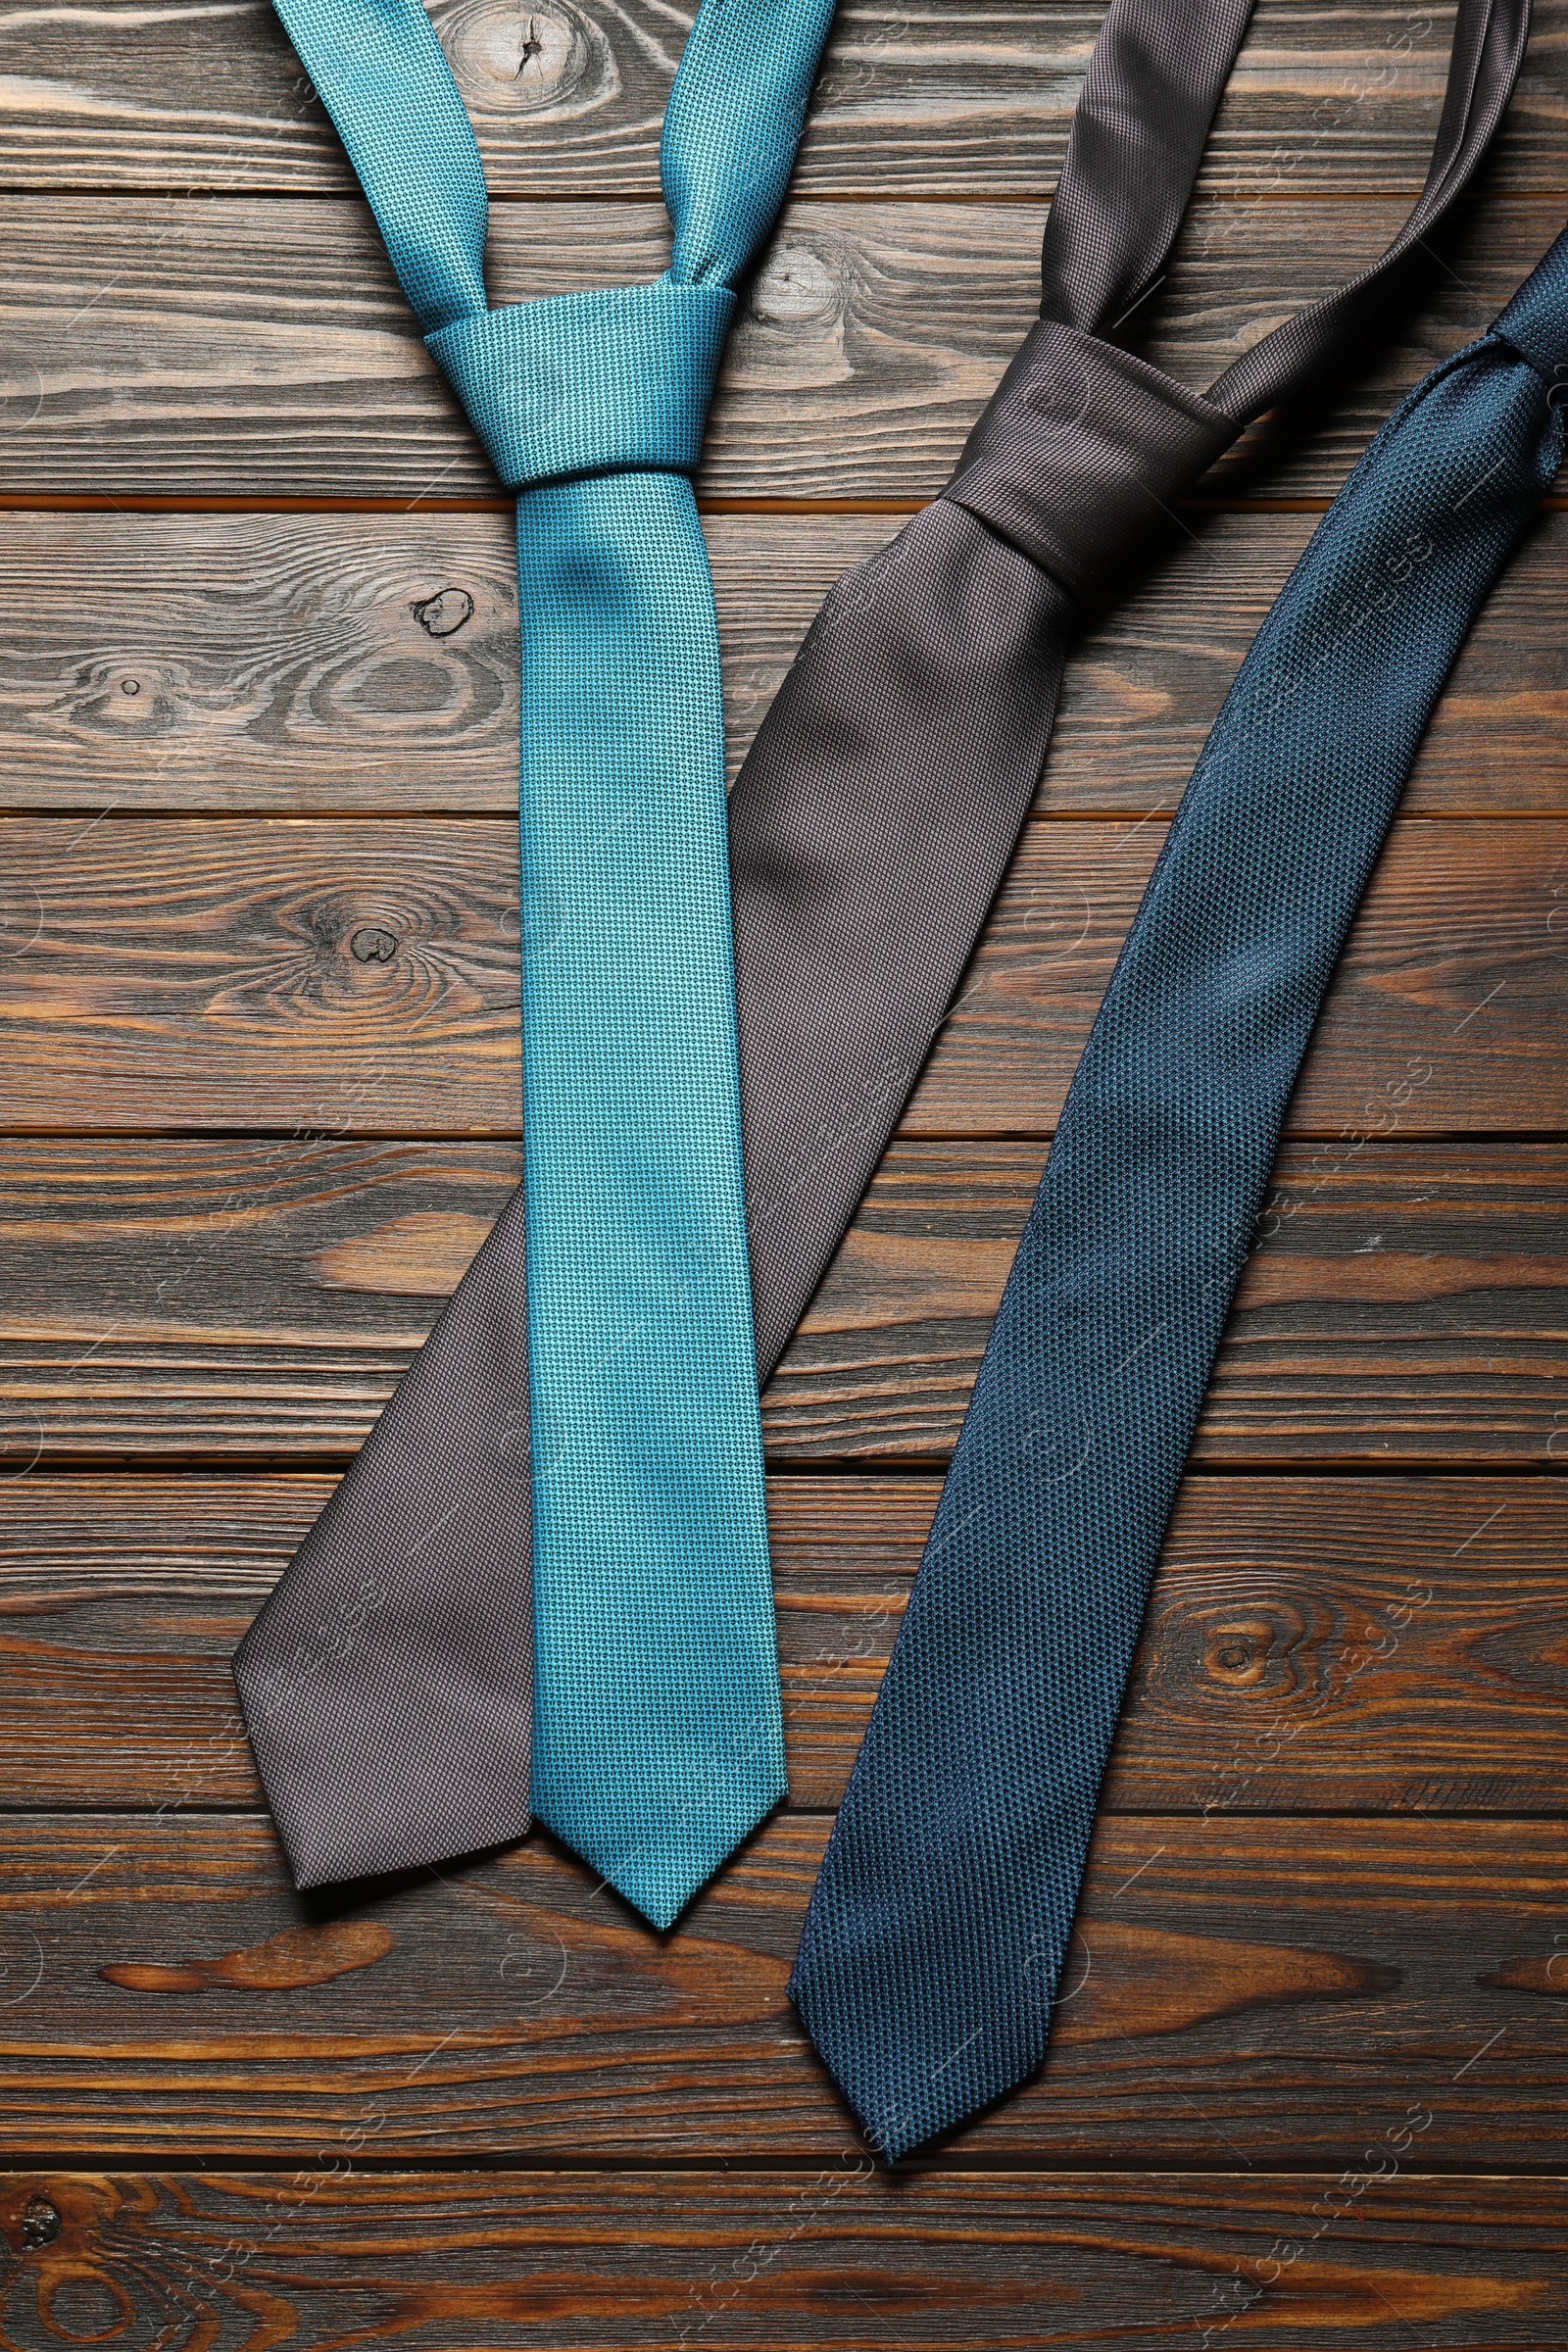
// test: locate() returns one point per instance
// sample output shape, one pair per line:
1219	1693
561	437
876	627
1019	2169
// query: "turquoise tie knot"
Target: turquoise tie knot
613	381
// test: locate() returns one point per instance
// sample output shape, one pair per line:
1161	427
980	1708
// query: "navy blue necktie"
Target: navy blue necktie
940	1920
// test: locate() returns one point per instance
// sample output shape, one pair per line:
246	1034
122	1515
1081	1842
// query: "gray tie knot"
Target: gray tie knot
1080	454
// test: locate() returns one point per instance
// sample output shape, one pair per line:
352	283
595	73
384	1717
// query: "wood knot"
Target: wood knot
372	946
131	701
444	614
1541	1972
1237	1652
532	62
287	1963
40	2224
795	284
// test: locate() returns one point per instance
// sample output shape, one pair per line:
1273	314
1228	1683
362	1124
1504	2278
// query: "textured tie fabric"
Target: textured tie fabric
940	1920
590	1400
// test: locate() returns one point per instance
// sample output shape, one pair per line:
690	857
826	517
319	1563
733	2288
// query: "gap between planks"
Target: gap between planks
1023	199
1511	1815
893	1469
1427	1138
62	813
274	1462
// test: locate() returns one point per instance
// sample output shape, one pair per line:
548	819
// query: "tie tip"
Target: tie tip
906	2088
660	1872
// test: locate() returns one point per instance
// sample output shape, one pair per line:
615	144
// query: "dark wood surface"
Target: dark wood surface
313	974
258	980
1247	1990
1402	1307
1314	1645
821	2256
567	99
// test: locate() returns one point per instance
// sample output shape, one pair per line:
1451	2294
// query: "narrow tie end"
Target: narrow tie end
889	2128
902	2096
340	1863
351	1800
660	1872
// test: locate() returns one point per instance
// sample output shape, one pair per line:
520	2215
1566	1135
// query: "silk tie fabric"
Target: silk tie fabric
940	1918
594	1405
874	816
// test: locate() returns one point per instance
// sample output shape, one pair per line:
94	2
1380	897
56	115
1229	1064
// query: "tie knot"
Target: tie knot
1080	454
613	381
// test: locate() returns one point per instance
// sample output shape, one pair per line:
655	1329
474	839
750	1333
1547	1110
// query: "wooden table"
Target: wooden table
258	949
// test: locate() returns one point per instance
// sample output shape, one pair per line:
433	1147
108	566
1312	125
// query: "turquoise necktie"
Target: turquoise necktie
657	1728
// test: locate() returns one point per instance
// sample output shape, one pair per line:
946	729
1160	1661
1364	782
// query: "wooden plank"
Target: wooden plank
1313	1645
567	101
1251	1992
263	348
258	1300
323	663
1243	1990
837	2257
337	975
158	949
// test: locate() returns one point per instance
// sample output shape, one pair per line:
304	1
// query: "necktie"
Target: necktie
940	1920
874	816
595	1392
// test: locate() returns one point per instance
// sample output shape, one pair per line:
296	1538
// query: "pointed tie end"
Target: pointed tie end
664	1870
906	2088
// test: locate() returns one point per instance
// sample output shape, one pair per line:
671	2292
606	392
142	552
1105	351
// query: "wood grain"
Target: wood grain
1401	1303
830	2257
257	919
1243	1990
569	99
1438	1016
336	976
326	663
255	1301
274	356
1313	1645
